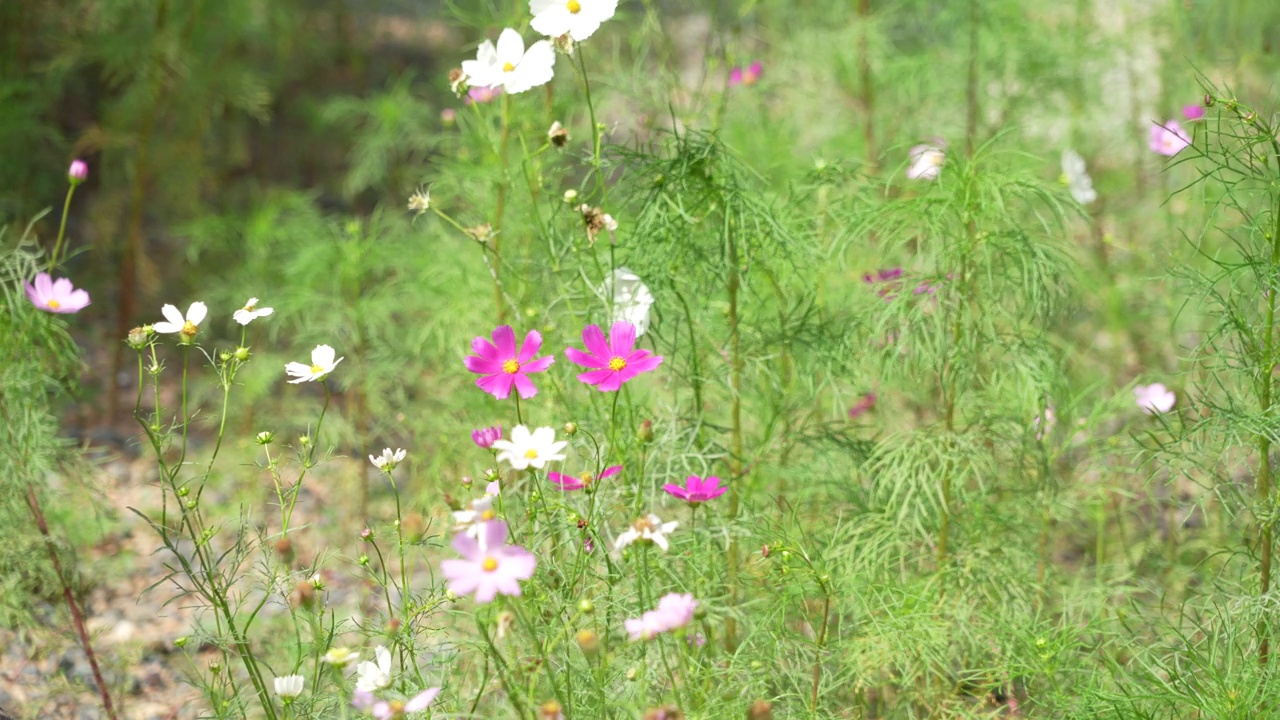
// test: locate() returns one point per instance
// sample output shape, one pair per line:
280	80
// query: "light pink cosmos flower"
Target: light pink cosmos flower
615	362
583	481
502	366
483	94
1169	139
674	611
1193	112
1154	398
486	437
490	568
389	709
697	490
864	404
746	76
56	296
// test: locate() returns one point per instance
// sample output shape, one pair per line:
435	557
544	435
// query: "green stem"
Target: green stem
500	208
62	229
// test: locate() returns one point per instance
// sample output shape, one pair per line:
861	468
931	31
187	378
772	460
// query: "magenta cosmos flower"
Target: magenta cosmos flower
865	404
1193	112
502	366
746	76
488	568
56	296
612	363
583	481
486	437
1169	139
696	489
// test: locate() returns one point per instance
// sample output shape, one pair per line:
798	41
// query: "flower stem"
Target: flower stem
62	229
504	143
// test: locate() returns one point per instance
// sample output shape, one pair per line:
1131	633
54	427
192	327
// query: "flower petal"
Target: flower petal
197	312
593	339
170	313
623	338
532	343
504	338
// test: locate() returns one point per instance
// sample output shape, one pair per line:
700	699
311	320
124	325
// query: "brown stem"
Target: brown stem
77	617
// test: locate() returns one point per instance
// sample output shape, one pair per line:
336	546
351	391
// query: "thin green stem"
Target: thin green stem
62	229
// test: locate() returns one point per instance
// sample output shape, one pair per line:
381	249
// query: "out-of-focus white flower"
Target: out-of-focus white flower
250	312
478	512
322	363
186	326
374	676
1077	178
647	529
1154	398
576	18
631	298
926	161
388	460
509	65
340	657
289	686
420	201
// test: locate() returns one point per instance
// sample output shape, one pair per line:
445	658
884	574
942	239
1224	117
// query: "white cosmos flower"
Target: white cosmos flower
509	66
322	363
926	161
526	449
480	511
176	322
646	529
340	657
576	18
250	312
631	298
1078	180
388	460
371	677
289	686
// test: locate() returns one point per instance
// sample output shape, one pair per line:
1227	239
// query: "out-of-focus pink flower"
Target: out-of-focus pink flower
1154	398
448	116
488	569
612	363
1193	112
864	405
927	160
697	490
503	367
675	610
583	481
889	281
1045	423
56	296
486	437
746	76
78	172
483	94
1169	139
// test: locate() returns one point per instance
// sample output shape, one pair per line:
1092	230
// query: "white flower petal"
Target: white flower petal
197	312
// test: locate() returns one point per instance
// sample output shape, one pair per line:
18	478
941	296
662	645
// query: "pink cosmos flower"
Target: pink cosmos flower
1154	398
696	489
56	296
747	76
502	366
486	437
483	94
612	363
490	567
889	280
1169	139
674	611
389	709
78	172
864	404
583	481
1193	112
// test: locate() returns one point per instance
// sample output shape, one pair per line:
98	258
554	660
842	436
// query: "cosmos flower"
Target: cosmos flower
478	512
486	437
615	362
696	490
483	94
250	312
340	657
78	172
56	296
322	363
926	160
864	404
186	326
526	449
1193	112
489	568
388	460
509	65
631	299
289	686
576	18
647	529
374	676
1154	398
746	76
583	481
391	709
674	611
1077	178
502	367
1169	139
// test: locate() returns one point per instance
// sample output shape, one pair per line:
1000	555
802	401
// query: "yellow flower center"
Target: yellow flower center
508	67
586	478
617	364
396	707
511	367
54	304
189	329
574	6
250	307
531	453
489	564
642	525
316	369
488	515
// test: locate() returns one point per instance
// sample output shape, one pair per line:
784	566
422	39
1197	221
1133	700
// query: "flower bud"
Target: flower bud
570	195
632	674
180	642
1209	100
645	433
586	606
304	440
215	667
448	117
764	551
364	560
760	710
284	548
191	504
317	582
139	337
264	438
571	428
466	481
224	356
558	135
78	172
304	595
393	626
490	474
588	642
242	354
